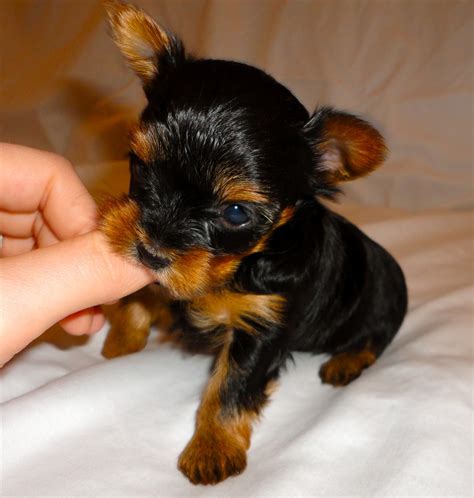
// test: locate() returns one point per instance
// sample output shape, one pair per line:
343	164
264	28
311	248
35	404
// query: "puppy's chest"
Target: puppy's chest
234	310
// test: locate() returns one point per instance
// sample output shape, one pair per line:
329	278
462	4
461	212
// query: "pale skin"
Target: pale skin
55	266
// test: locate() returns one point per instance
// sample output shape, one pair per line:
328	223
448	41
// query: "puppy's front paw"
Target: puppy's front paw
209	459
345	367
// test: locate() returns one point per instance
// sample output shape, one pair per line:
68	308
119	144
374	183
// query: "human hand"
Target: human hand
53	264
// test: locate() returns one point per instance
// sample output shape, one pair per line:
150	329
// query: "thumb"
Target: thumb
43	286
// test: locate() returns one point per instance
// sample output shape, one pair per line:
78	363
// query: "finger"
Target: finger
86	321
33	180
42	233
18	225
98	321
25	226
44	286
11	246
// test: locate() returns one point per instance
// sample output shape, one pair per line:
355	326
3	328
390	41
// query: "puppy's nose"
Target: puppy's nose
150	260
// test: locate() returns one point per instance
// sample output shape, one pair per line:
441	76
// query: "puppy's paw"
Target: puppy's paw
211	459
119	344
345	367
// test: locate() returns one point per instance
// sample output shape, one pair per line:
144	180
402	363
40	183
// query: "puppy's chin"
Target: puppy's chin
195	273
187	275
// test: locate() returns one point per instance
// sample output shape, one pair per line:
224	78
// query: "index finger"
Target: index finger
33	180
74	275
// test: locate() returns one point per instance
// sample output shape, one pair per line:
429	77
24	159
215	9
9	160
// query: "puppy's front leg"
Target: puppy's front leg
132	321
237	390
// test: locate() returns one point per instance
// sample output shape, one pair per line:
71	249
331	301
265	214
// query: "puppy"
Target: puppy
227	172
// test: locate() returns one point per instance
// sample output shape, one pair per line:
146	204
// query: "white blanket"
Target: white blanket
76	424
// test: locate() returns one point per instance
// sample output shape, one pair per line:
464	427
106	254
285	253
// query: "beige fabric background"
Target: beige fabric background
404	64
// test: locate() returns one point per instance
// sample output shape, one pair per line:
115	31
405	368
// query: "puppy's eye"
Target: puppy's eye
235	215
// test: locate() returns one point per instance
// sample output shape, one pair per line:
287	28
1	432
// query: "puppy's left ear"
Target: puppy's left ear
150	50
345	146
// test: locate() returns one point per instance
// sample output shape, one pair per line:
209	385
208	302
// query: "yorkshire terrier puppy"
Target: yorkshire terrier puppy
227	173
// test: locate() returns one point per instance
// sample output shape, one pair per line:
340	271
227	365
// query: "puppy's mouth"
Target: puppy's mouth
151	259
184	275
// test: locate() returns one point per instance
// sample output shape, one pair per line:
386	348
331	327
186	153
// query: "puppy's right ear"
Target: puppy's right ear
150	50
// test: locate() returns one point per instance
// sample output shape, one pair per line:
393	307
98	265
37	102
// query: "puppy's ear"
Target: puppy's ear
150	50
345	146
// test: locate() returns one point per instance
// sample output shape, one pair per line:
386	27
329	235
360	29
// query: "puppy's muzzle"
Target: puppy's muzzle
152	261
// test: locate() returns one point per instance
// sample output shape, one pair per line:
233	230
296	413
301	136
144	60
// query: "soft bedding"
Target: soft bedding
74	424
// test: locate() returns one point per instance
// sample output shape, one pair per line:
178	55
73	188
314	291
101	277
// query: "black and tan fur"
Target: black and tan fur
221	142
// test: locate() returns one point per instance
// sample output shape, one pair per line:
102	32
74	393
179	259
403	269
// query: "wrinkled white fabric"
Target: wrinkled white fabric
75	424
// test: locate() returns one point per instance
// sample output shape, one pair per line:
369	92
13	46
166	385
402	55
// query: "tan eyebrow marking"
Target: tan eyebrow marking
229	189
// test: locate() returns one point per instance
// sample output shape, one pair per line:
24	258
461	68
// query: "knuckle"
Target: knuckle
59	162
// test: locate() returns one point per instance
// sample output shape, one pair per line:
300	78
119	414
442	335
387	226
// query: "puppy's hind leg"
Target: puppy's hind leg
380	312
345	367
